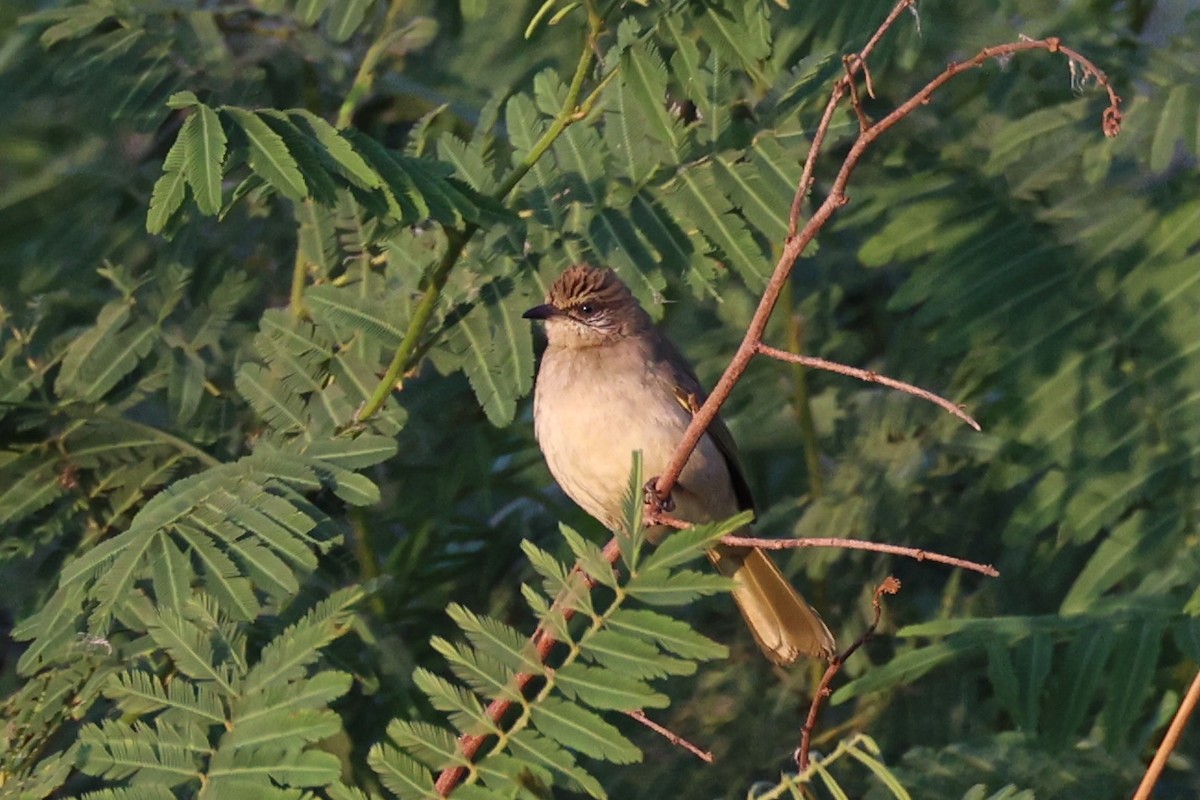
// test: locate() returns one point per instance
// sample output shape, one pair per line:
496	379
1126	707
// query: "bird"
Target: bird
610	383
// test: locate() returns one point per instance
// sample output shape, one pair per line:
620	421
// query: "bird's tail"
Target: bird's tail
783	623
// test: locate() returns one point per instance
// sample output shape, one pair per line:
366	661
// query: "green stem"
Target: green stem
296	297
457	240
802	403
572	111
793	783
364	79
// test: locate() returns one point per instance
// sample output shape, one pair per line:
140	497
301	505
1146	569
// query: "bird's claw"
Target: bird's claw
656	502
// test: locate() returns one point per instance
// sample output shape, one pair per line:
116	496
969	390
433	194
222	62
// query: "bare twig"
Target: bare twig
1178	723
860	544
671	736
840	87
890	585
855	101
796	243
915	553
870	377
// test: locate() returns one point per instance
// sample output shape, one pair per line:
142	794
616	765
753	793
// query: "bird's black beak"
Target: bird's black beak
544	311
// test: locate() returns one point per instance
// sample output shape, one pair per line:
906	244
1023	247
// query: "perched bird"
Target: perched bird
609	384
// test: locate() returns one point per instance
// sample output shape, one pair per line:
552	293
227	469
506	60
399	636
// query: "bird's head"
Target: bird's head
589	307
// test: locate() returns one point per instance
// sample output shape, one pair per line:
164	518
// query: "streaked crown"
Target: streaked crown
587	307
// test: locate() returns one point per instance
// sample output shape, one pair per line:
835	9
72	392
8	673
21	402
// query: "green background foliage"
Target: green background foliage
272	519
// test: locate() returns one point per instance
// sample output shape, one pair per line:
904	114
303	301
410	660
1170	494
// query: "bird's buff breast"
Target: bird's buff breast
589	419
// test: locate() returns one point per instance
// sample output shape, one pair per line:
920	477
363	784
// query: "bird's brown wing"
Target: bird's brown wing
691	396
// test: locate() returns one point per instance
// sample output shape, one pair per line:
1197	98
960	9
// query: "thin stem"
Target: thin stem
299	269
364	78
572	111
790	783
802	403
870	377
889	586
670	735
914	553
457	240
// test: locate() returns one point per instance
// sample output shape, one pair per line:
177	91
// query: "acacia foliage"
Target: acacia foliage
226	580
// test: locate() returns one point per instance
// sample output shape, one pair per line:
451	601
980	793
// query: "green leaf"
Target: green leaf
167	195
583	731
694	195
680	547
739	32
139	692
156	753
1136	656
663	588
348	313
1076	682
402	774
669	634
589	557
881	772
278	406
530	745
465	711
172	574
189	649
298	646
607	688
633	658
220	575
27	487
269	156
504	643
647	118
82	357
255	765
497	351
1176	125
905	668
352	165
204	157
435	747
345	17
182	100
363	451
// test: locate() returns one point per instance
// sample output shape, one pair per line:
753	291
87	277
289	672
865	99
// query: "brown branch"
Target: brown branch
751	343
796	243
917	554
855	101
890	585
840	87
1178	723
469	744
870	377
671	736
860	544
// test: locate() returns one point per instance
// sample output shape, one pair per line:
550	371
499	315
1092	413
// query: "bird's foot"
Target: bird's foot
655	502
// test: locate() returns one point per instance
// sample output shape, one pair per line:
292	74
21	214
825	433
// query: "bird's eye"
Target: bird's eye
587	309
